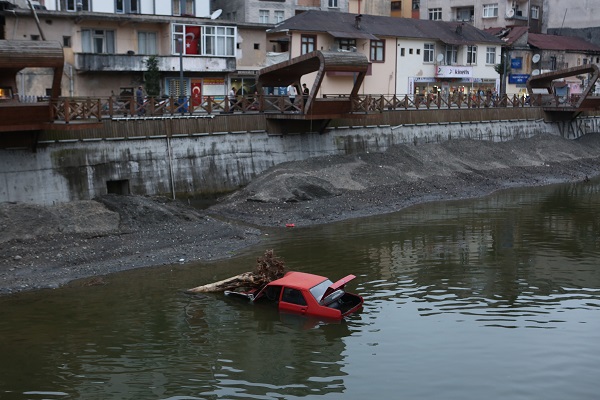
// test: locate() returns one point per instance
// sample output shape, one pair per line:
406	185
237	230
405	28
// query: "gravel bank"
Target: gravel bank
45	247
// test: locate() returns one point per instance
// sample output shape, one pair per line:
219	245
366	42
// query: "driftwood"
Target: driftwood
268	268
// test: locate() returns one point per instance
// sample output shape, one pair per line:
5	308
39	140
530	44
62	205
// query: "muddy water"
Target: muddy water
491	298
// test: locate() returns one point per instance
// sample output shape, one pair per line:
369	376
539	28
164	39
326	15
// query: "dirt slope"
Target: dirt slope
49	246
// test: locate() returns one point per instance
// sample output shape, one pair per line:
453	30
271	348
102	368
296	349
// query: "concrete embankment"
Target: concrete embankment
196	163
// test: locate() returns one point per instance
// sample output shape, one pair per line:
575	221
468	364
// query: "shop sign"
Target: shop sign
214	81
449	71
518	78
423	79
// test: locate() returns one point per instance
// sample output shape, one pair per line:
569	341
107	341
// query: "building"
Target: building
573	18
534	53
276	11
107	45
407	56
484	14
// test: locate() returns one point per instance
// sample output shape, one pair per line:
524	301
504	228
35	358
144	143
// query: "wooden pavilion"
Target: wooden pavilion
553	101
322	62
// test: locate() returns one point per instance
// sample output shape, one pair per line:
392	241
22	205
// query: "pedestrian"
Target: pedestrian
305	93
139	94
231	99
292	92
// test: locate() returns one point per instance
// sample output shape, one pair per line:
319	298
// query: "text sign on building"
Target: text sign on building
518	79
448	71
516	63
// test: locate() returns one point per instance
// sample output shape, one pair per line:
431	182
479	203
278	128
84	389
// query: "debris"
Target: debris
268	268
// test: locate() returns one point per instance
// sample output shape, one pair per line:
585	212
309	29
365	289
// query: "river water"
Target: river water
495	298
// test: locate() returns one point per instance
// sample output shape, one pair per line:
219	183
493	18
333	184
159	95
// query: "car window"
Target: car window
272	293
293	296
319	290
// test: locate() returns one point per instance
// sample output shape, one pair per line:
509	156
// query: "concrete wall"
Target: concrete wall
203	164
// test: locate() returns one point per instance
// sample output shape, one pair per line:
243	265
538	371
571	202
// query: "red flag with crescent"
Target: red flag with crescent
192	40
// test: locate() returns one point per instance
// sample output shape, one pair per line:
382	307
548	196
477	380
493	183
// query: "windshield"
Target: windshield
319	290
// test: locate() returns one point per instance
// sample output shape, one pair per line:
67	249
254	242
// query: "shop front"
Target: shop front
452	80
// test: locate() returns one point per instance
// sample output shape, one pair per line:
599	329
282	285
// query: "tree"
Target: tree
503	69
152	77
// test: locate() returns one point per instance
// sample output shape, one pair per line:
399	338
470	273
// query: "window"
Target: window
465	14
378	50
66	41
98	41
71	5
293	296
490	55
147	43
402	52
263	16
490	10
219	40
204	40
183	7
308	43
35	37
396	6
346	44
415	4
6	93
428	52
279	16
535	12
451	54
435	14
256	46
175	88
471	54
333	4
127	6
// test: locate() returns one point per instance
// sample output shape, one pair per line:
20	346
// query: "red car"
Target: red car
308	294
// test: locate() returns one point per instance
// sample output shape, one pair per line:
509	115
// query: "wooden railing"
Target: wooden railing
69	109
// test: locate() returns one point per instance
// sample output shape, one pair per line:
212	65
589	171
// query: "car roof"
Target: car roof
299	280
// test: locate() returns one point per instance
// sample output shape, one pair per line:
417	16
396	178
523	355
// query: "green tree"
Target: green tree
152	77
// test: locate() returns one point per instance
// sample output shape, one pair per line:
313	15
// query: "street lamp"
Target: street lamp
181	87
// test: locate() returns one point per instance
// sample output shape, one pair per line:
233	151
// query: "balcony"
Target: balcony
516	15
89	62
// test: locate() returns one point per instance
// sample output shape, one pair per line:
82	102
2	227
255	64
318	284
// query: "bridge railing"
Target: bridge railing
70	109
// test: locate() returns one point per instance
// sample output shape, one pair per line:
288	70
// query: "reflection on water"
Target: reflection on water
498	297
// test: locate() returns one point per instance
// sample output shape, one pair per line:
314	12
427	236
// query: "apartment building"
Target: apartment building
484	14
573	18
274	11
107	45
408	56
191	8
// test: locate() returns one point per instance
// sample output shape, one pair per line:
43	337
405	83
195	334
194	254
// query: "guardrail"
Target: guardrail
70	109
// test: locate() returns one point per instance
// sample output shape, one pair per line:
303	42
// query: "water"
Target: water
491	298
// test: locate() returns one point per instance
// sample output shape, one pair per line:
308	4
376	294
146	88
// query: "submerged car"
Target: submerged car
307	294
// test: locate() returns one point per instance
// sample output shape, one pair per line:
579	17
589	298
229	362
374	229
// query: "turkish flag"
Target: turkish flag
192	40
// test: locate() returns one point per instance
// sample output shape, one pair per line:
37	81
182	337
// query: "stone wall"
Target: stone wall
204	164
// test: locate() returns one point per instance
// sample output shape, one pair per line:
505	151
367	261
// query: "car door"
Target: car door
292	300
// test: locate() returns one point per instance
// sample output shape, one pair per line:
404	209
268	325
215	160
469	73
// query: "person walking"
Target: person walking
139	95
231	99
305	93
292	93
